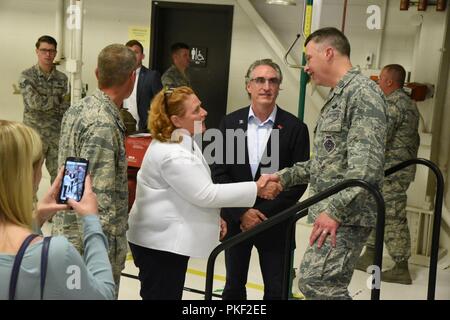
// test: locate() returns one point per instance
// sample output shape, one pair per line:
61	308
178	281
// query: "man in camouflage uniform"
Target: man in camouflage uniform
349	141
402	144
177	75
43	89
93	129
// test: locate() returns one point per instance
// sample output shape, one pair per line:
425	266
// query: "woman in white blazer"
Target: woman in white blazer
177	208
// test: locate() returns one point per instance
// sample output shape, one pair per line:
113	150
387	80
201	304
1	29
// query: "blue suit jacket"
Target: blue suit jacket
149	84
293	147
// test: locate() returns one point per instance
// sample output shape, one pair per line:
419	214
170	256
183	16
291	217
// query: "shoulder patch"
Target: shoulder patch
329	144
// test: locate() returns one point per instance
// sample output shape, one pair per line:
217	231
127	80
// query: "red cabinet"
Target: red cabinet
135	147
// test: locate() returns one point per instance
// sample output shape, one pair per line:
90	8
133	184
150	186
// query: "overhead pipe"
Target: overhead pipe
76	49
59	31
344	16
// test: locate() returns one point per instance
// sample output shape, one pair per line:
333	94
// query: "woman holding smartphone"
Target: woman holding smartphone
66	275
176	214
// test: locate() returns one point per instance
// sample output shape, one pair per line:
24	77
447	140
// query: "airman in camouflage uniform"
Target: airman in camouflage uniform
349	142
402	144
44	89
92	129
177	75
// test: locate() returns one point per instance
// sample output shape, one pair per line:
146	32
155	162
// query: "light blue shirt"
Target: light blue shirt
69	276
258	134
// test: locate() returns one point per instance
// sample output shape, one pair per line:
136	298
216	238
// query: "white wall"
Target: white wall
106	22
21	23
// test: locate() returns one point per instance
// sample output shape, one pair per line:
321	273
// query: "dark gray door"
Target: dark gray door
207	29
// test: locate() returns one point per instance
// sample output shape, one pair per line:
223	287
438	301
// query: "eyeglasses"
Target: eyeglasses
260	81
167	93
46	51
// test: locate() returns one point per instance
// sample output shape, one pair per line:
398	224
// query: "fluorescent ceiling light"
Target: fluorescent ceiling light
283	2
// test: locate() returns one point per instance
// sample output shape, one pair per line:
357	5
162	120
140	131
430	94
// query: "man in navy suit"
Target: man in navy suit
147	85
285	139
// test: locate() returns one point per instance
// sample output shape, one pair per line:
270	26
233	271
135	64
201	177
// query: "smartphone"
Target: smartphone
72	184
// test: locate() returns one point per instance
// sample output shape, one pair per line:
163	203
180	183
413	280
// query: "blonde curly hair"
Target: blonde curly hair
166	103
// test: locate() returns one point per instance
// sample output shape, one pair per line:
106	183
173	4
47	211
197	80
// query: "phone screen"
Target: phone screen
72	185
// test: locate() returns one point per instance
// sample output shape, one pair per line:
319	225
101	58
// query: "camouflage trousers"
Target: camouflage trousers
50	150
325	273
50	146
70	225
396	232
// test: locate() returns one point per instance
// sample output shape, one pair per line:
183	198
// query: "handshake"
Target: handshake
269	186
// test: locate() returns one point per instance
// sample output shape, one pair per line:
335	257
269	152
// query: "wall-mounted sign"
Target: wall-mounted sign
198	56
141	34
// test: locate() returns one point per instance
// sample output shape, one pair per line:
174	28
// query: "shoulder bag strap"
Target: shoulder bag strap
16	265
44	260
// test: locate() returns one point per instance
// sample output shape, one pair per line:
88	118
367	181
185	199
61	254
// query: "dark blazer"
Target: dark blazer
149	84
293	147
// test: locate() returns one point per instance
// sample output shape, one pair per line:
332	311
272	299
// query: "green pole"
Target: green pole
303	75
304	78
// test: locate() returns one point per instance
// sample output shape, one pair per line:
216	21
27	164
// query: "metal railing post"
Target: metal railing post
290	213
436	219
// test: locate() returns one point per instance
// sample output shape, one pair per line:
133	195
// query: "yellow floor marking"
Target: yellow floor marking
222	278
218	277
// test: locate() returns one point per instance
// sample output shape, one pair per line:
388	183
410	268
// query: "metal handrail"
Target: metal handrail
296	212
436	220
